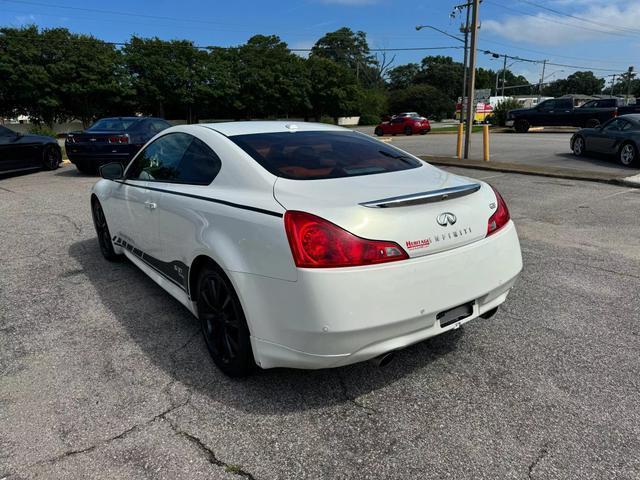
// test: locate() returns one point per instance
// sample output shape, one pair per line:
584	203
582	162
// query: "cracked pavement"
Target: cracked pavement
103	375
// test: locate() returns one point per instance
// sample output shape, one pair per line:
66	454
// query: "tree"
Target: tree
425	99
351	50
333	89
272	78
442	73
585	83
403	75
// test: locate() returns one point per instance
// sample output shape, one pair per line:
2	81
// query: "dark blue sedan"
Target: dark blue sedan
111	140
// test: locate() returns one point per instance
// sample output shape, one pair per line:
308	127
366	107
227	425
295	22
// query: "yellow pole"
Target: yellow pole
460	135
485	142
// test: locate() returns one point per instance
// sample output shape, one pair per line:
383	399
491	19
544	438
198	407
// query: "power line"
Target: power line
552	20
575	17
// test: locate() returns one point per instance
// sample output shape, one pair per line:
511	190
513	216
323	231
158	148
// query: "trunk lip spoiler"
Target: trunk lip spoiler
432	196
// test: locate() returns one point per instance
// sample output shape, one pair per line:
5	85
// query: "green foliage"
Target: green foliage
424	99
42	130
373	104
499	114
333	89
585	83
403	75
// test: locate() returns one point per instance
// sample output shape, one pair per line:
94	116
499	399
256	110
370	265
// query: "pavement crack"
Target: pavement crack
352	400
70	453
541	454
210	454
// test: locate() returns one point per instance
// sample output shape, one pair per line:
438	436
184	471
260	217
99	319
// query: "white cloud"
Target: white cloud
550	29
26	19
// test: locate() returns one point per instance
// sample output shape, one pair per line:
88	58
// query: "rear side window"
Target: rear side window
320	155
176	158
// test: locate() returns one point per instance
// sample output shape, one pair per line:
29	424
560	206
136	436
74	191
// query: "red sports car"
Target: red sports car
403	124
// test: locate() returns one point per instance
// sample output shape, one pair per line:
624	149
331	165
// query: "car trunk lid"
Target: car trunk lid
425	210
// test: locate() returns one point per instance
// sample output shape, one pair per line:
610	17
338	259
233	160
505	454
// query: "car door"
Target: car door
603	138
543	113
180	218
397	124
155	166
563	112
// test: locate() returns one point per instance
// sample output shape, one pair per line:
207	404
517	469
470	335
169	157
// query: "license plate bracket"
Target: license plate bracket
455	314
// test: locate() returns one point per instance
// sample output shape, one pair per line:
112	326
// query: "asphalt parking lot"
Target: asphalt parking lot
103	375
545	148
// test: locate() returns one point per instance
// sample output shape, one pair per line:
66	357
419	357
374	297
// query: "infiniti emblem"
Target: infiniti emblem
446	218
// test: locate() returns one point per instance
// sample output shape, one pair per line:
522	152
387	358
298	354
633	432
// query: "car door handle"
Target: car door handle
151	205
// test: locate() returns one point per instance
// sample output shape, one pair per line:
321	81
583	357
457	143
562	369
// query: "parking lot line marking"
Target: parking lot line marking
619	193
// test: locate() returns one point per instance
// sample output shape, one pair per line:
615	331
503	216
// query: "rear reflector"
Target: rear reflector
318	243
500	217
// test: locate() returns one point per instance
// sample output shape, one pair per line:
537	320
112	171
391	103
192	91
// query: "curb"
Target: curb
630	181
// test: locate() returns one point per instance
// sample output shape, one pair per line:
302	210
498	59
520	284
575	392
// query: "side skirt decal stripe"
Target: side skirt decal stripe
207	199
176	272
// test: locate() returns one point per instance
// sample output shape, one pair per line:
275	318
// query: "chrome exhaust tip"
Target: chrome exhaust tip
384	359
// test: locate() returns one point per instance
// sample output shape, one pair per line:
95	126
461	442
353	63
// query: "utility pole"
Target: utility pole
613	83
464	63
471	108
544	66
629	75
504	74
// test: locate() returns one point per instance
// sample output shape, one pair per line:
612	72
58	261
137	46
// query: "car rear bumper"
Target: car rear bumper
335	317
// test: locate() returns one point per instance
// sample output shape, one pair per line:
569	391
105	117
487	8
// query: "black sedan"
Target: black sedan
22	152
619	136
111	140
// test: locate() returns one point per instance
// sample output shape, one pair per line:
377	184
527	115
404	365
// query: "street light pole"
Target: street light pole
504	74
472	77
544	65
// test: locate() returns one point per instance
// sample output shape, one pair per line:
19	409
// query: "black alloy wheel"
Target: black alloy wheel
408	130
378	131
577	146
102	230
223	324
51	157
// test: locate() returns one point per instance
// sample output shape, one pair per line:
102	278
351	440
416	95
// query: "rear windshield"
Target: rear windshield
114	124
318	155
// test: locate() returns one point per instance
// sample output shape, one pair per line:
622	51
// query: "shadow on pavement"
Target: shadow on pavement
72	171
170	336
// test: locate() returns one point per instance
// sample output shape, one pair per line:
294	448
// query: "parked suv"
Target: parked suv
561	112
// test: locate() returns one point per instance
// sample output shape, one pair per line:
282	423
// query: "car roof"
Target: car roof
634	117
231	129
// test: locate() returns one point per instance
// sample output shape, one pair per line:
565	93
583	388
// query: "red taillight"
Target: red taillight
500	217
119	139
318	243
615	112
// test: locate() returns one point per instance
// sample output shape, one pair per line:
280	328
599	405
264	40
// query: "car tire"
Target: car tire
592	123
578	146
521	126
51	157
628	154
408	131
102	230
223	323
378	131
85	168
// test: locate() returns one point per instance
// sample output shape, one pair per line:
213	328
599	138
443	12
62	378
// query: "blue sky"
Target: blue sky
527	28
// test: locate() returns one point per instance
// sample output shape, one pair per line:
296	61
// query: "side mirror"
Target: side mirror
112	171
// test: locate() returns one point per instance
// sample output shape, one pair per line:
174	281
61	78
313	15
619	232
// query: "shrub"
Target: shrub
327	119
369	119
43	130
499	114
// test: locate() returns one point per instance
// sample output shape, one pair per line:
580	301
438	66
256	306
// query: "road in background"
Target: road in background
104	375
541	149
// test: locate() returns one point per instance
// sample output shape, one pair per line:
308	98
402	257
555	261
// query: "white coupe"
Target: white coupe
306	245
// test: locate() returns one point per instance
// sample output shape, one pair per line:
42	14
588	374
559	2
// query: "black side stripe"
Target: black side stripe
176	272
207	199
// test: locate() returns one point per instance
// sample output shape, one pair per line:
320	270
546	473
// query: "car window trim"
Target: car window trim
126	173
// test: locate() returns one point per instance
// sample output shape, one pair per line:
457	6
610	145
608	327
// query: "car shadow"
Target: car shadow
170	336
72	171
600	160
